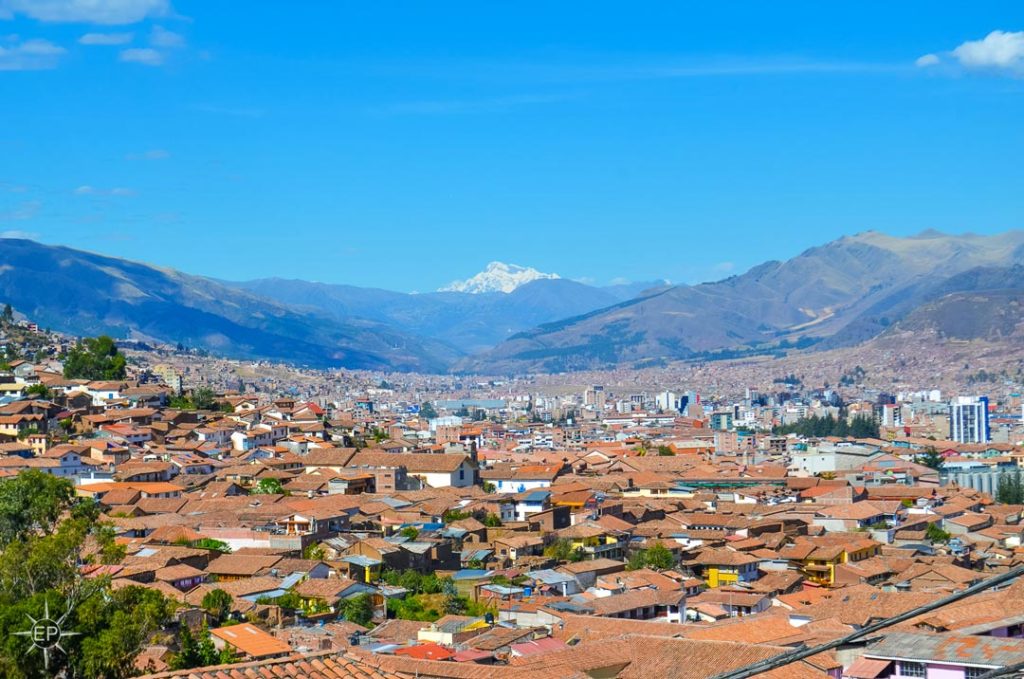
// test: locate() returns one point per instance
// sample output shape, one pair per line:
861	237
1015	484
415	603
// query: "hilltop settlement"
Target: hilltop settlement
347	524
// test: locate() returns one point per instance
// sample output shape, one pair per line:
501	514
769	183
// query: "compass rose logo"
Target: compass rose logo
46	633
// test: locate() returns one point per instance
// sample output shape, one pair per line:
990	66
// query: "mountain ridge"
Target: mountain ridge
840	294
86	293
834	294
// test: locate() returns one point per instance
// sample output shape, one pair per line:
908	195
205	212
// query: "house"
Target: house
817	558
441	470
508	478
720	567
320	593
848	517
249	641
951	656
180	576
594	541
532	502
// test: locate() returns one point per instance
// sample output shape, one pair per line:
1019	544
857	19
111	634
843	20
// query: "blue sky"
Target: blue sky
406	144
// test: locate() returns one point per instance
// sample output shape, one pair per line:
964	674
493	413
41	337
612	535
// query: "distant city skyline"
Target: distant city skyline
407	146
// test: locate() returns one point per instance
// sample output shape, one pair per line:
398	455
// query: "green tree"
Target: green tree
1010	490
211	543
358	609
217	603
410	532
931	458
453	603
37	390
427	410
204	399
935	533
8	316
492	521
561	550
95	359
198	651
31	503
314	552
657	556
44	529
660	557
860	426
455	515
268	486
665	451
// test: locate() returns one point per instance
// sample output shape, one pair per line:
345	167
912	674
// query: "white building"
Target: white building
968	420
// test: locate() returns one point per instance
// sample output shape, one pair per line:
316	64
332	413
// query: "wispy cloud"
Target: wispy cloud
109	12
87	190
998	52
142	55
161	37
106	39
29	55
19	234
152	154
21	212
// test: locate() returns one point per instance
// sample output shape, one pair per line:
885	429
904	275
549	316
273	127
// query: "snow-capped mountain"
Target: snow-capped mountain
498	277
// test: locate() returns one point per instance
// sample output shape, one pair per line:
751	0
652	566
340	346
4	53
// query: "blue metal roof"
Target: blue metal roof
360	560
471	574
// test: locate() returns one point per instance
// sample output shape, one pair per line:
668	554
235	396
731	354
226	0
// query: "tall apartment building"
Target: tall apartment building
968	419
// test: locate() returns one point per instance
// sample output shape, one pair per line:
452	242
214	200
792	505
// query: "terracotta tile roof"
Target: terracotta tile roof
251	640
325	666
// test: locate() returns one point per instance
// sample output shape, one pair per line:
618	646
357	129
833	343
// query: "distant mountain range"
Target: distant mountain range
469	321
516	319
838	294
84	293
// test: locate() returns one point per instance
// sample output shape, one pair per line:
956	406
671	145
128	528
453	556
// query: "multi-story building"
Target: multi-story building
968	419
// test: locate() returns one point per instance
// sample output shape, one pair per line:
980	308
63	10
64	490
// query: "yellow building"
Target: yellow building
721	567
817	558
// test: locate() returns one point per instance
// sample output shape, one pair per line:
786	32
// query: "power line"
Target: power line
793	656
1007	671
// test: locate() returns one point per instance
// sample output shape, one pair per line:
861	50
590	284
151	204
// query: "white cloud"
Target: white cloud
724	267
998	49
161	37
142	55
30	55
106	39
927	60
110	12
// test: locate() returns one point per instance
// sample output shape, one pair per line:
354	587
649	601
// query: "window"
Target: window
912	669
975	672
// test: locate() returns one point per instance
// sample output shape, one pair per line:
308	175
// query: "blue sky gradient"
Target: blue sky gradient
406	144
